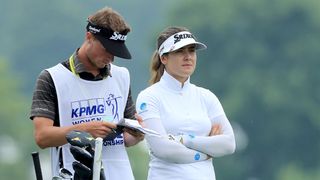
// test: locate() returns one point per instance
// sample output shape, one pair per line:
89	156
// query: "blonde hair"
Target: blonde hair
109	18
156	67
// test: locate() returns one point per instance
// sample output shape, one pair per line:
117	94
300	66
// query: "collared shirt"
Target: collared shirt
45	101
81	70
170	108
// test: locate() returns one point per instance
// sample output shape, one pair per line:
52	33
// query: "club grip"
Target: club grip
37	166
97	159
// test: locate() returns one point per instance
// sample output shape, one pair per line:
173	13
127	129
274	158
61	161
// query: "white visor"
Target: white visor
178	41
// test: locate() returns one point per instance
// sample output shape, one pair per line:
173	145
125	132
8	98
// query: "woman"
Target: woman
190	119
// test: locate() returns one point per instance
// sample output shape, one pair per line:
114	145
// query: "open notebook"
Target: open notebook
134	125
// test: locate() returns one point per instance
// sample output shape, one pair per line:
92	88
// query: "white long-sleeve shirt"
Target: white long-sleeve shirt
188	111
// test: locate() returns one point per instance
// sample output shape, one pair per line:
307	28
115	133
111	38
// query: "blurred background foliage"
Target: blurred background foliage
261	62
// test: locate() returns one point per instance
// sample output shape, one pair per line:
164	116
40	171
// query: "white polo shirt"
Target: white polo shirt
182	110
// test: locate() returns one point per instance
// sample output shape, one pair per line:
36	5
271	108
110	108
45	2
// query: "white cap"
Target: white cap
178	41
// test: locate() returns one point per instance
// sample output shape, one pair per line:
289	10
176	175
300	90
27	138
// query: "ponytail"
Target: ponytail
156	68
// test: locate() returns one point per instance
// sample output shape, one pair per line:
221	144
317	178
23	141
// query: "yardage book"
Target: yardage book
134	125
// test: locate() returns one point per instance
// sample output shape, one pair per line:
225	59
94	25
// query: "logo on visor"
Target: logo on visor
94	30
178	37
117	36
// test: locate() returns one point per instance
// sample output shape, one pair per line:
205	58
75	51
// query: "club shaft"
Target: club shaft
37	166
97	159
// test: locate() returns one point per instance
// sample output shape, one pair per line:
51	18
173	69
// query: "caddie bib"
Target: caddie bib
81	101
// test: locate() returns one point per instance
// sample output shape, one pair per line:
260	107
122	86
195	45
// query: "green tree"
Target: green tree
261	62
15	131
139	159
38	34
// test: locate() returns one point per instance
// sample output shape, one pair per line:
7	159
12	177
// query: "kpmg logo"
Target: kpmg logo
94	109
86	108
113	105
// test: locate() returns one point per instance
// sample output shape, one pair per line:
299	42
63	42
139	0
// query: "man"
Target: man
88	93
